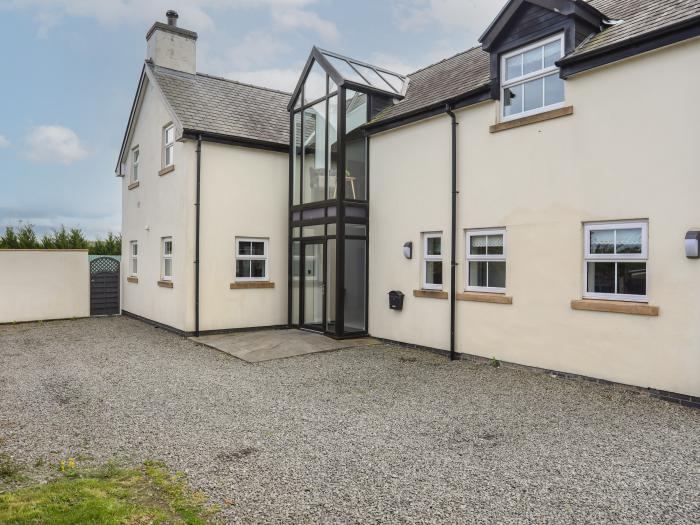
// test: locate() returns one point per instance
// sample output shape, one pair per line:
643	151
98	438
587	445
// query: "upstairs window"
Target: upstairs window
530	80
135	164
251	259
432	261
168	145
616	261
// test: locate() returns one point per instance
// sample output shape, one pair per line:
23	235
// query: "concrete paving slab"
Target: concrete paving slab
267	345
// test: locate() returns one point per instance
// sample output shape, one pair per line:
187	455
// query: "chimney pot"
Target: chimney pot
172	17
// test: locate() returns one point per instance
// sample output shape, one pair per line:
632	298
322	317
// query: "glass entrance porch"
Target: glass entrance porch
329	190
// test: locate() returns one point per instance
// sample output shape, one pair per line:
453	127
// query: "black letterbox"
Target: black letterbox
396	300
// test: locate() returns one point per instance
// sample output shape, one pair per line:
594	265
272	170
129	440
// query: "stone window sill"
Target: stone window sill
251	285
617	307
165	284
166	170
476	297
132	279
430	294
133	185
532	119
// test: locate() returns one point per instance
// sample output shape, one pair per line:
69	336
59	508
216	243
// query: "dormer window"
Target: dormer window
530	81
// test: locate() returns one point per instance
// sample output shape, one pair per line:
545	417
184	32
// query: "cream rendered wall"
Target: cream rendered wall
159	207
38	285
244	193
628	152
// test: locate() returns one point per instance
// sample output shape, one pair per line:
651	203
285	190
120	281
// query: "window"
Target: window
530	79
167	259
616	261
135	164
133	257
169	145
251	259
486	261
432	261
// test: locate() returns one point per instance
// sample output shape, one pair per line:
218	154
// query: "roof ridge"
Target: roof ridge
215	77
477	46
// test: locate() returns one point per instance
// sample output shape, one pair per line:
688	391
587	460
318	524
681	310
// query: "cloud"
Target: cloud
300	18
53	145
4	143
284	79
452	15
94	225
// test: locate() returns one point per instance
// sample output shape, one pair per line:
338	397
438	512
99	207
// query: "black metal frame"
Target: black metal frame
340	202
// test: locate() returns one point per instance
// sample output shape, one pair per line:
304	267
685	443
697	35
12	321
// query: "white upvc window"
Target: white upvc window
135	164
486	260
168	145
133	258
616	255
252	259
166	270
530	81
432	261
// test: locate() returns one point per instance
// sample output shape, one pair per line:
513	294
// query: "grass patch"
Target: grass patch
109	495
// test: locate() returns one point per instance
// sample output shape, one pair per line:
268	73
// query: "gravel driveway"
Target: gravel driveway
365	435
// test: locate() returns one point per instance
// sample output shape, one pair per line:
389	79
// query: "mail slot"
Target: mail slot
396	300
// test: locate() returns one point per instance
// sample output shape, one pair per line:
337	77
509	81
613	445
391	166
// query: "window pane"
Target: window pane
314	231
355	284
433	272
553	90
477	273
169	135
513	100
257	269
333	147
356	229
296	183
169	155
134	266
552	53
331	284
315	84
497	274
601	277
258	248
632	278
245	248
296	269
243	269
168	247
514	67
602	241
314	180
168	267
533	94
478	245
495	244
629	241
345	70
532	61
394	81
434	246
134	248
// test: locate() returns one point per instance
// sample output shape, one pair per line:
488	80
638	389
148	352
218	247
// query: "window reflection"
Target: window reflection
355	146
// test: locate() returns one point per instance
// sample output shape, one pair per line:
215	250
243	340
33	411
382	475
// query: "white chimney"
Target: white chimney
172	47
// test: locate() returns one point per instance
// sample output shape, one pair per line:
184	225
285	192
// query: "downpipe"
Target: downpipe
453	235
196	235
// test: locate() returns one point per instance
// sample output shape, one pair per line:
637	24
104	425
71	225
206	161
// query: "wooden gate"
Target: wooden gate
104	286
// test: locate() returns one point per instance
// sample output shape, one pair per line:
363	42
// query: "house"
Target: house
532	198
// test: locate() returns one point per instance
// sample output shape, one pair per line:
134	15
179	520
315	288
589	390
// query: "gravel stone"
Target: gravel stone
365	435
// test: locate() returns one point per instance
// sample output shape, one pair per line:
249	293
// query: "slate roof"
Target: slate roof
470	70
216	105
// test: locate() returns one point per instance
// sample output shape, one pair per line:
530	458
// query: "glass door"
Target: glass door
313	286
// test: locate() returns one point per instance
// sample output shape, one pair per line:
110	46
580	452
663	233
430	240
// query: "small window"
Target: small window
616	261
530	81
432	261
251	259
486	261
169	145
134	258
135	164
167	259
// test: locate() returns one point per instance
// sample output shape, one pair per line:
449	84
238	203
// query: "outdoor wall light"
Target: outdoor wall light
692	244
408	250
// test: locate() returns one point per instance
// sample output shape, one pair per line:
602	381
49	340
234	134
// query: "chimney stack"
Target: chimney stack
172	47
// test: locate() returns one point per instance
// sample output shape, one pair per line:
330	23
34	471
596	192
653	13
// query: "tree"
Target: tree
111	245
27	238
9	240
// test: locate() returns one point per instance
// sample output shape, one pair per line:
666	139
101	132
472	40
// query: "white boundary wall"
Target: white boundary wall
44	284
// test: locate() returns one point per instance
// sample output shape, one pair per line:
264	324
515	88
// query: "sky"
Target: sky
70	69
